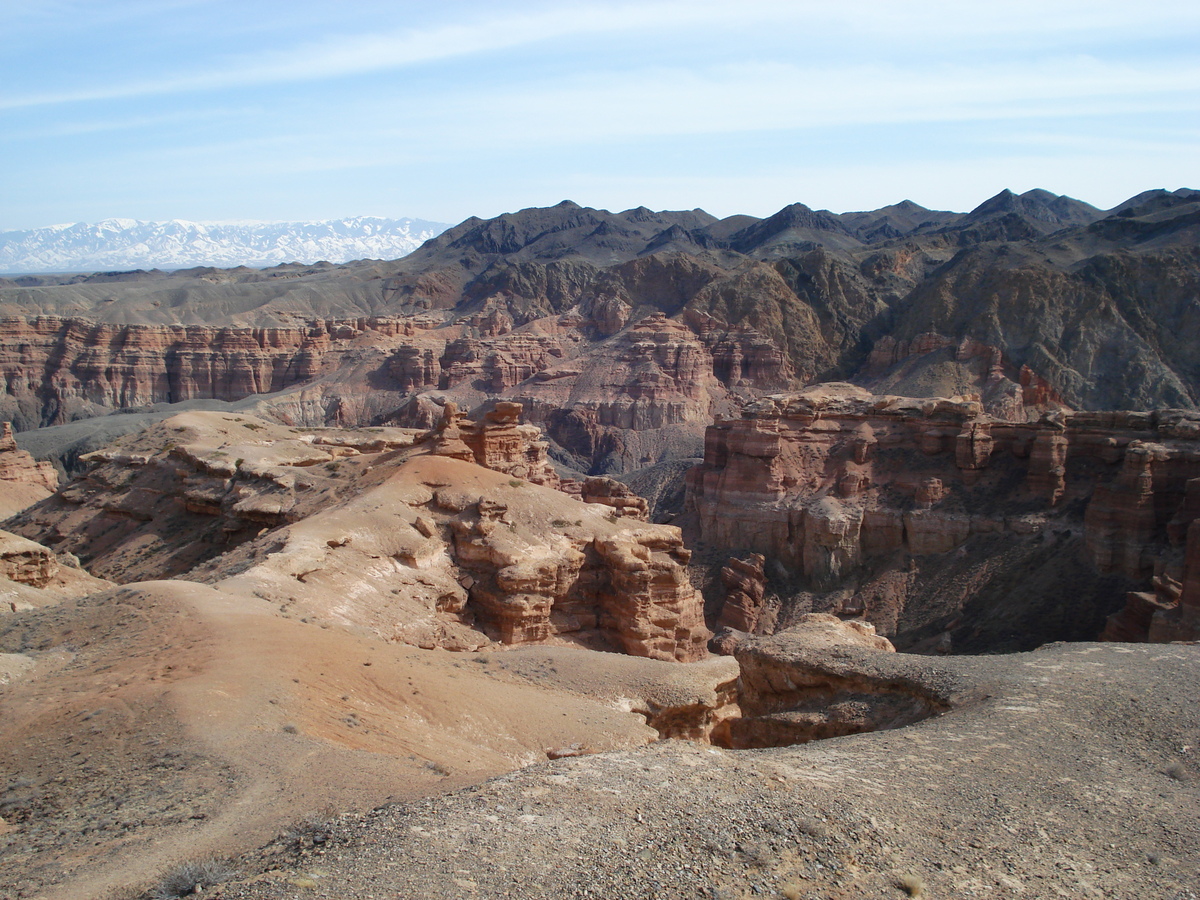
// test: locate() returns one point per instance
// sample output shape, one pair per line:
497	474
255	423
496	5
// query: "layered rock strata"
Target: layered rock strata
745	585
396	532
611	493
192	487
833	480
445	553
1170	611
56	369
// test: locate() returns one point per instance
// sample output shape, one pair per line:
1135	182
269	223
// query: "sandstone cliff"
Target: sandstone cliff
23	480
879	504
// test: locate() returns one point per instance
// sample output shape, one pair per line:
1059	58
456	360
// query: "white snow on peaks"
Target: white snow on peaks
179	244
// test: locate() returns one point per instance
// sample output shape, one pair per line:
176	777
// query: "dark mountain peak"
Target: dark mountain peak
799	215
1036	206
566	204
796	225
1155	200
1003	202
672	237
1039	195
612	226
640	214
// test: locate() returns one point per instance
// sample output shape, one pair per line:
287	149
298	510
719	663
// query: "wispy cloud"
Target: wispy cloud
934	23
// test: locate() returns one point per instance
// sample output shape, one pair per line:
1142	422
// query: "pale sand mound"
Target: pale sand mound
167	720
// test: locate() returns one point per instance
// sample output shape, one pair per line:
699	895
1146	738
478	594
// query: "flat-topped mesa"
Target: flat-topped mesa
832	476
19	467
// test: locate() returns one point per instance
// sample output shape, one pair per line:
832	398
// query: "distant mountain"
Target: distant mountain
177	244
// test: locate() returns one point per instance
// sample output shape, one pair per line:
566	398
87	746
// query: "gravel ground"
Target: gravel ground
1074	775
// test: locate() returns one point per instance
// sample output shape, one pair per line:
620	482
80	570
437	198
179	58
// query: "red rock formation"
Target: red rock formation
831	478
56	368
612	493
628	586
745	586
1171	611
500	442
20	467
25	562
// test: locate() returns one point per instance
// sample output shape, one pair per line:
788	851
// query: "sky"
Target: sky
212	110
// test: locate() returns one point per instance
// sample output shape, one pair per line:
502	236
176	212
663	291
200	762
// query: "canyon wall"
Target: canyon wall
58	369
849	490
598	396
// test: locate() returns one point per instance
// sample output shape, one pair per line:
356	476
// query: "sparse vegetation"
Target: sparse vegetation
185	879
913	885
436	766
516	483
311	831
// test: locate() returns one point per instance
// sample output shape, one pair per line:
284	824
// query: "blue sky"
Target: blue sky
214	111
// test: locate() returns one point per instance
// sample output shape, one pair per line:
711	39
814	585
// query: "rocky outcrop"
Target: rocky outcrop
611	493
630	588
1170	611
33	576
404	534
500	442
25	562
834	481
19	467
824	678
444	553
191	488
745	586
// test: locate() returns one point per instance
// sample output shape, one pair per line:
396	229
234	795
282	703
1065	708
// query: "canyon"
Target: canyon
564	487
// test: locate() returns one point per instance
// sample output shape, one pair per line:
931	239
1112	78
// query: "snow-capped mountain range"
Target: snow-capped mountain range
177	244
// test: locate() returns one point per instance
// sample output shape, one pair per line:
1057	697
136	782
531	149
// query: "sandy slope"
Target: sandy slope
167	720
